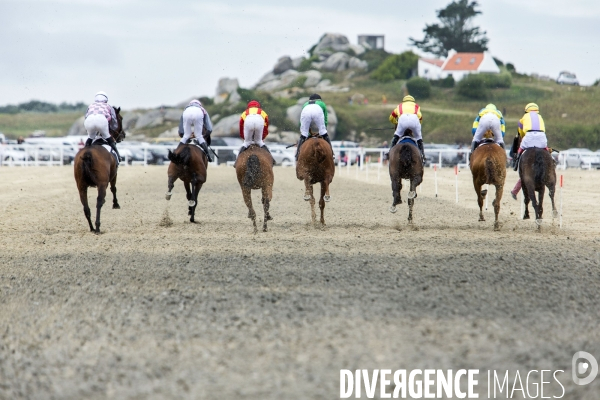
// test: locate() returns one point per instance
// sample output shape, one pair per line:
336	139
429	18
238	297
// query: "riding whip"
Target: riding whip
291	145
211	149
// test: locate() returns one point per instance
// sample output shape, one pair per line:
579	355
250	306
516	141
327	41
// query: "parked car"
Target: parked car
451	154
281	154
567	78
11	154
225	155
579	157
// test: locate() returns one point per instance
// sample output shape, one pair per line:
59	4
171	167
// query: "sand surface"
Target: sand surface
212	311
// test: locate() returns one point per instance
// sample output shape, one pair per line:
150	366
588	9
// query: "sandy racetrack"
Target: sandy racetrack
210	310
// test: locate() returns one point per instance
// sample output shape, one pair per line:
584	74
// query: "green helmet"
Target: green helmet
491	107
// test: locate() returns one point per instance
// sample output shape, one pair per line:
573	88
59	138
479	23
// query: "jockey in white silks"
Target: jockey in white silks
99	117
195	115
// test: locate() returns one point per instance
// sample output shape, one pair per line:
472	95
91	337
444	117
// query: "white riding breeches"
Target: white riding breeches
409	121
534	139
312	118
193	116
254	125
489	122
96	125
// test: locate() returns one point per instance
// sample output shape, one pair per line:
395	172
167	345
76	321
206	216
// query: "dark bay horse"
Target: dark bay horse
405	163
254	170
315	165
94	166
537	172
189	164
488	166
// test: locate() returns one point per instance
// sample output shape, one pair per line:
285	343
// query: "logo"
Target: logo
581	367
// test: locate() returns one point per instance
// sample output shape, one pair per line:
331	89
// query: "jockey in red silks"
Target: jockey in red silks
254	126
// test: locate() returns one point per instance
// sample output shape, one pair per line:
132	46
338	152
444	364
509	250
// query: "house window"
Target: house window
457	60
472	61
426	71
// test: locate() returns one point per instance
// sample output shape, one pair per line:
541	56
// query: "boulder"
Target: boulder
283	64
149	119
77	129
358	49
336	62
225	87
297	61
129	120
356	63
312	78
227	126
269	76
270	85
331	43
172	114
234	97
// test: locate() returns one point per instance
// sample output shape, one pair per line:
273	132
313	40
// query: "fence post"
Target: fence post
456	181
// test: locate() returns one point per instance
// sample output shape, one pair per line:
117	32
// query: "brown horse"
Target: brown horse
315	165
488	166
189	164
94	166
537	172
254	169
405	163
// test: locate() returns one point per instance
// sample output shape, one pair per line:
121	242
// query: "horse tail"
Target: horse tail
88	168
490	168
406	159
181	158
539	167
252	171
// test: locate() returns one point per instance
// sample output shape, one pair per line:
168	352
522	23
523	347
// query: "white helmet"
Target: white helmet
101	96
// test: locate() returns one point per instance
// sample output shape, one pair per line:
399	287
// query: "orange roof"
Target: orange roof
464	62
433	61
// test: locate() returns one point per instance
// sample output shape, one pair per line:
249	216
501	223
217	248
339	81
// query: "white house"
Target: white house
458	65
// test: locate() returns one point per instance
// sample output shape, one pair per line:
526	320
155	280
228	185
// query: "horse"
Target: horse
537	172
315	165
94	166
405	163
188	163
254	170
488	166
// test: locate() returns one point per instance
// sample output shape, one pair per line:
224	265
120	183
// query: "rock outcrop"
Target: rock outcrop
331	43
225	88
227	126
283	64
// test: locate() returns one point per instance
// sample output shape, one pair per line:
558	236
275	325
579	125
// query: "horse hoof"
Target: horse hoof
191	203
116	207
306	198
412	195
538	222
168	195
555	214
269	218
483	192
481	219
393	209
327	198
526	217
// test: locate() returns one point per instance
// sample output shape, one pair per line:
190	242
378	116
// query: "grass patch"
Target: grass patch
24	123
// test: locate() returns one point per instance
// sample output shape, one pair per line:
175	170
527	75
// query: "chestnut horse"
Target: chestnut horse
405	163
94	166
254	170
189	164
537	172
315	165
488	166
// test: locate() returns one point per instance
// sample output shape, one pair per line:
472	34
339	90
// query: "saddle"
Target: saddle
102	142
409	140
194	142
487	141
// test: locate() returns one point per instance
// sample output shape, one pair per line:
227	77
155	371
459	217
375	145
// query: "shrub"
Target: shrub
510	67
496	81
473	87
447	82
374	58
306	64
419	87
399	66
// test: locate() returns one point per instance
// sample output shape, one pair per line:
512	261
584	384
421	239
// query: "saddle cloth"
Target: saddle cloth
103	143
194	142
409	140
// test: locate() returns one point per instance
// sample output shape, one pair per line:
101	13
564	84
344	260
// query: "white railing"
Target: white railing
146	154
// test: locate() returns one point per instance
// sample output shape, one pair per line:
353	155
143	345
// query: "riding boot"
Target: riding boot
204	147
501	144
516	162
88	142
238	156
113	145
264	146
326	137
421	149
395	139
300	141
474	145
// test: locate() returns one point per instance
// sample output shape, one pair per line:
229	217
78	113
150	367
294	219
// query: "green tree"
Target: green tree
454	31
398	66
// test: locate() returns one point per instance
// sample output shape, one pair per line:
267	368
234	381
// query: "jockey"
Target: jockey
313	117
489	118
254	127
195	114
99	117
533	134
408	116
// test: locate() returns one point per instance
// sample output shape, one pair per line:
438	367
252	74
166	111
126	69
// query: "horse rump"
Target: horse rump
539	167
87	162
405	157
252	171
181	158
490	168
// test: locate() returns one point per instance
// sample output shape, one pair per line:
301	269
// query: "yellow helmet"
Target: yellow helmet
531	107
491	107
408	98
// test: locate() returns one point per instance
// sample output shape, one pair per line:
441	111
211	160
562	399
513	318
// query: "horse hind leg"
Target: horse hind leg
99	203
86	208
396	188
540	208
496	204
170	185
308	195
322	202
246	192
551	191
195	191
266	200
412	194
480	196
113	189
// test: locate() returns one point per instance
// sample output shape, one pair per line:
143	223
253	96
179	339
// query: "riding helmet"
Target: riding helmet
314	97
532	107
491	107
253	103
98	97
408	98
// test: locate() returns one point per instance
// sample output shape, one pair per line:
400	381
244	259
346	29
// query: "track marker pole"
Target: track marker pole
561	202
456	181
435	178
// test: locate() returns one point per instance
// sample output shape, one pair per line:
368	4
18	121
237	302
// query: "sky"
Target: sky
147	53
